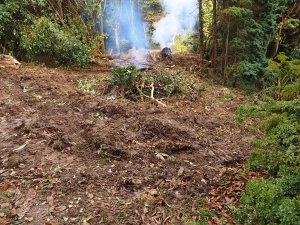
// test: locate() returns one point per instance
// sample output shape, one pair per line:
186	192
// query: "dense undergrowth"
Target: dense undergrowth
52	34
276	150
45	40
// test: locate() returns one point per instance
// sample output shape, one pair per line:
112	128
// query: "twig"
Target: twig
152	90
151	97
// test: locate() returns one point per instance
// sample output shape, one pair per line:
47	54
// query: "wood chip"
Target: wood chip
180	171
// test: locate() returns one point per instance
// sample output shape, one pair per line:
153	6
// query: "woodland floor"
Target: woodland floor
71	158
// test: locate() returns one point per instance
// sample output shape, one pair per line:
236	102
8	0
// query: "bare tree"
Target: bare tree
215	38
200	32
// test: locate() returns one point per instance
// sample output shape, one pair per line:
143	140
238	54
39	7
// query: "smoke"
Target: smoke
124	26
181	17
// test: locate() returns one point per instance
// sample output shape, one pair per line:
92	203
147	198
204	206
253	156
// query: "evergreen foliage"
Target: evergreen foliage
283	77
44	32
252	25
275	200
46	41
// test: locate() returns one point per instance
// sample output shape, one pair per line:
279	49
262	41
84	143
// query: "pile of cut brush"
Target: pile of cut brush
156	84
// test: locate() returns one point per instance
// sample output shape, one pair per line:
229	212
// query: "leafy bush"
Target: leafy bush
179	46
280	144
276	200
283	77
125	77
12	13
35	29
45	40
266	202
185	43
71	50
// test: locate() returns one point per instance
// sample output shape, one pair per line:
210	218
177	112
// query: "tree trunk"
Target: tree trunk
200	32
225	75
117	27
103	8
215	38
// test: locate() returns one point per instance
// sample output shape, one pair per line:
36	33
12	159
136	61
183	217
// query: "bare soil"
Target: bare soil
72	158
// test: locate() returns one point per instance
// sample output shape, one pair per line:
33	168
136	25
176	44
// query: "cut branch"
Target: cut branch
152	95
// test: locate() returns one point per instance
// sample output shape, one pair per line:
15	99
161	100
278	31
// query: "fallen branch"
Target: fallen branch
152	95
152	90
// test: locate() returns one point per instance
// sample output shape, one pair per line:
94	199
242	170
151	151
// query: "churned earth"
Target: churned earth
67	157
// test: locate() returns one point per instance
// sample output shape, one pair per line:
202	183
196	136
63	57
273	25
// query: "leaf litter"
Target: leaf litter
143	164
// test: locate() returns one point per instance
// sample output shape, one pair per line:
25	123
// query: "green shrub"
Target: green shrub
291	91
39	40
70	50
179	46
12	14
125	77
283	77
46	41
275	200
277	151
281	142
266	202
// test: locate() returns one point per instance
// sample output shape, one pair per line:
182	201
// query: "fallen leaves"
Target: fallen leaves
161	202
162	156
225	196
13	212
50	223
5	222
60	208
152	192
5	186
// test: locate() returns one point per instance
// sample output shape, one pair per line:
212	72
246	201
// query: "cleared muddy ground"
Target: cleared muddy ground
72	158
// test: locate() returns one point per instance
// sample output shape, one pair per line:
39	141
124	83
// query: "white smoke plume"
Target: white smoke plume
181	17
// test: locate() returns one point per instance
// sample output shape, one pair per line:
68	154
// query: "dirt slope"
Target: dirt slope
71	158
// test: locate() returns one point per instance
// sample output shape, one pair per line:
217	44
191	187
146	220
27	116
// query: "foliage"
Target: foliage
166	83
87	86
172	83
185	43
266	202
249	29
125	77
28	29
279	120
46	39
275	200
178	46
153	11
12	14
283	75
